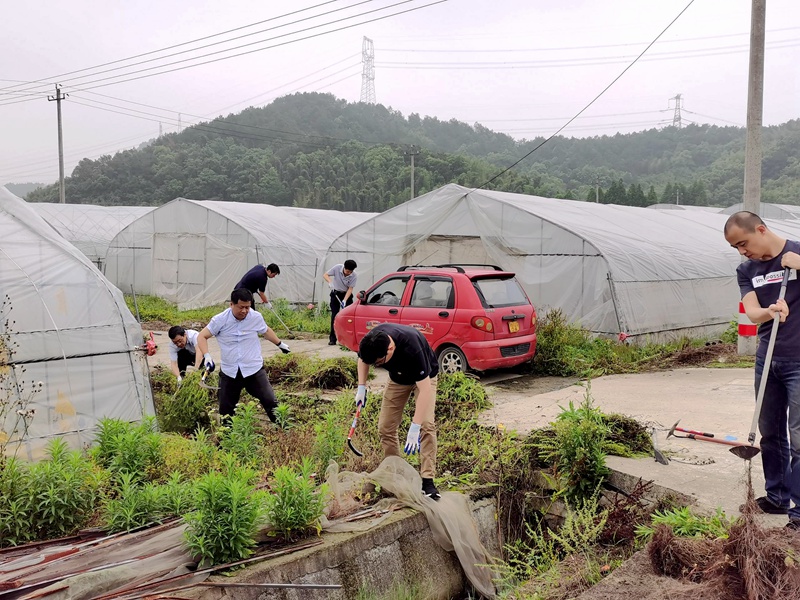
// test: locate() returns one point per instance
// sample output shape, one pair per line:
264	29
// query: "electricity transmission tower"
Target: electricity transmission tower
367	71
676	117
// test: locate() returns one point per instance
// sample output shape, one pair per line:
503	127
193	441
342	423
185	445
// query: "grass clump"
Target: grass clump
186	409
298	372
685	523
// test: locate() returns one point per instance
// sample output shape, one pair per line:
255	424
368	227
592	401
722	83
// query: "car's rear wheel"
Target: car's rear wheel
452	360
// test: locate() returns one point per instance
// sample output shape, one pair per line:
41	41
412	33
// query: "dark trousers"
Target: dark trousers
336	306
185	359
257	385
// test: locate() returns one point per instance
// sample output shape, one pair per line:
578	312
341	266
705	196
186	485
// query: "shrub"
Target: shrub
227	514
190	457
124	447
295	504
134	505
61	490
241	437
16	503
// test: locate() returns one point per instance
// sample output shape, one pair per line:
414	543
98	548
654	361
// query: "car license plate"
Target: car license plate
513	326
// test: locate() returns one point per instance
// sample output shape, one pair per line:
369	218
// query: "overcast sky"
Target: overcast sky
524	67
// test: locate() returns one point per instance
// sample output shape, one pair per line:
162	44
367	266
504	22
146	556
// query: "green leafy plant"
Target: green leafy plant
242	437
329	441
582	526
187	409
190	457
16	503
135	505
686	523
227	514
577	450
296	503
177	496
283	416
62	491
133	448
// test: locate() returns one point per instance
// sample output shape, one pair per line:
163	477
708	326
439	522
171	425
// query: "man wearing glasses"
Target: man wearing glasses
408	357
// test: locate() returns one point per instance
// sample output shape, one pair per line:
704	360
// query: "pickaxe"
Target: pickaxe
742	450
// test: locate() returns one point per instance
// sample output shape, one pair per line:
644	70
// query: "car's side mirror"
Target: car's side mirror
361	295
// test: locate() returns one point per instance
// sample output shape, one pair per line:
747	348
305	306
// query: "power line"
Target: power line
90	84
592	101
113	62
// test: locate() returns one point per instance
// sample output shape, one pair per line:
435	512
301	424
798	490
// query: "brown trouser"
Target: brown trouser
395	398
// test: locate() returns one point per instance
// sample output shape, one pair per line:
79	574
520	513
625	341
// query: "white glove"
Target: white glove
269	305
284	347
361	396
342	303
330	284
180	380
412	440
208	362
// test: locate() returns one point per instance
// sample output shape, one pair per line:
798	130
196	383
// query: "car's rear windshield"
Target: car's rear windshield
497	293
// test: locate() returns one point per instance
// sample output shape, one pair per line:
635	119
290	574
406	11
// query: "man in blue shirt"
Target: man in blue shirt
413	367
257	281
760	280
237	329
341	279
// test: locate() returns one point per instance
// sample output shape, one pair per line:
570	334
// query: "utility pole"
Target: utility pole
58	98
412	153
678	196
597	190
752	153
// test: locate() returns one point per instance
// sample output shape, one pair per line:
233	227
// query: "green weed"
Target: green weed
242	437
284	419
330	440
133	448
296	503
186	410
228	513
686	523
133	506
190	457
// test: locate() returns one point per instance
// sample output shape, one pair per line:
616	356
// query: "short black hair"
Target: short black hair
744	220
240	294
273	268
350	264
373	346
175	331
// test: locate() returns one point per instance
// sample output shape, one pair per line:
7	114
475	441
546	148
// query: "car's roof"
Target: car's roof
471	271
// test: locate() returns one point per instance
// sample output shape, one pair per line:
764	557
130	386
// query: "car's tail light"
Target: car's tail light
482	323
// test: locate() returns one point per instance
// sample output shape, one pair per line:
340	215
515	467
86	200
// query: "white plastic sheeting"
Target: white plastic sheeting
62	323
193	252
653	274
89	227
769	211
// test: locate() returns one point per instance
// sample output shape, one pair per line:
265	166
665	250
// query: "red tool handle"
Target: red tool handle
355	420
694	432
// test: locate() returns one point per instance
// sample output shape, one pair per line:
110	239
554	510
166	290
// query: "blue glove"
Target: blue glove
412	440
208	362
361	396
342	303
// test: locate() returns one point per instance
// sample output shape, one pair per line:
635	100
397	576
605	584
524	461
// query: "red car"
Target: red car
474	316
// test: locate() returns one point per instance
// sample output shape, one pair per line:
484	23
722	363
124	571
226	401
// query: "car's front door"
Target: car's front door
381	304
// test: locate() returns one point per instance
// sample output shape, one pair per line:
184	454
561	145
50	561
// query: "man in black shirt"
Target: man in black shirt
256	280
412	366
760	280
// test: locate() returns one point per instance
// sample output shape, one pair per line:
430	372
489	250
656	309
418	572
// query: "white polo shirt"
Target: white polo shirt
191	345
238	341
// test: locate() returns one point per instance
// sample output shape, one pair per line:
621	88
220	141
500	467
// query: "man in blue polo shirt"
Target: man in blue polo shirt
760	280
257	281
412	366
237	329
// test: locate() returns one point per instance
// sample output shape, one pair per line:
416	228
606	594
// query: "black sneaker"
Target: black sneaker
429	490
793	525
767	506
331	343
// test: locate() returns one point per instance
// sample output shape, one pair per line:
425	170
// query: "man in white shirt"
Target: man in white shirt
183	351
341	279
237	329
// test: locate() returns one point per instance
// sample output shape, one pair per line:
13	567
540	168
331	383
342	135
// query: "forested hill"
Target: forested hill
318	151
